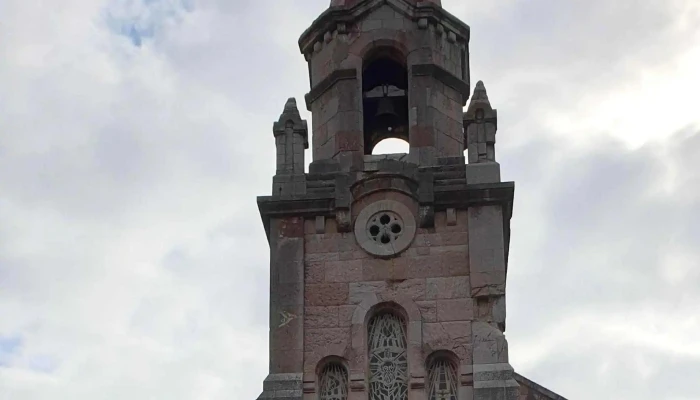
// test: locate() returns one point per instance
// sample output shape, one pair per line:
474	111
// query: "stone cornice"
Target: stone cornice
327	83
338	18
444	76
311	206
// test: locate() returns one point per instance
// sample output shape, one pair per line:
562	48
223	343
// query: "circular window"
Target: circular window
385	228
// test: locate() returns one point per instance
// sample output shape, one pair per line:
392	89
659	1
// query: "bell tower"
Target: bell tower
388	272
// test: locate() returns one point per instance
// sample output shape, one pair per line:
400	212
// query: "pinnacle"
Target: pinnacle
480	93
291	105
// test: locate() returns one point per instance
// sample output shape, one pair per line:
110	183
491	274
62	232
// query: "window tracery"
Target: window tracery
388	362
333	383
442	381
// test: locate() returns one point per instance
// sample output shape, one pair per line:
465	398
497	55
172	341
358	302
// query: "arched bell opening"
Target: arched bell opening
384	97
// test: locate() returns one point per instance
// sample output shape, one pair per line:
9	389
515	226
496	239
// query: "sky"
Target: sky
135	136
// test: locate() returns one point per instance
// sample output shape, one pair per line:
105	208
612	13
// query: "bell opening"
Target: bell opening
385	98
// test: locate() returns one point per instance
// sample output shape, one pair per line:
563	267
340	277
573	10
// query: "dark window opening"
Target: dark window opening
385	98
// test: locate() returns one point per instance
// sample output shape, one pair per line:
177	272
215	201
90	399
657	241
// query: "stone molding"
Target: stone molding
337	19
327	83
443	76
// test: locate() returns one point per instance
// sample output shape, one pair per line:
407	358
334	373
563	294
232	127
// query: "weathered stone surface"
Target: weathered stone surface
316	339
321	317
360	291
326	294
428	310
452	336
314	272
343	271
490	345
448	288
455	310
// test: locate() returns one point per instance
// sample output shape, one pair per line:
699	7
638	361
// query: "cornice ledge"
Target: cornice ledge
444	76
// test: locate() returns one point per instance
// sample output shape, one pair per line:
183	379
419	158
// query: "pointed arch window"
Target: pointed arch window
333	383
442	376
388	362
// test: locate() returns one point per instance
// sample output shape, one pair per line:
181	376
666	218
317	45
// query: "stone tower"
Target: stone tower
388	272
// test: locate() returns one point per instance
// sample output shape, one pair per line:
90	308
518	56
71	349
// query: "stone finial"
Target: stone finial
351	3
480	125
290	117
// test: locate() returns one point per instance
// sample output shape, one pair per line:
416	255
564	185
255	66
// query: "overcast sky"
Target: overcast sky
135	135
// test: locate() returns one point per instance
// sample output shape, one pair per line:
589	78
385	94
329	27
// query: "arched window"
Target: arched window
442	380
388	362
333	383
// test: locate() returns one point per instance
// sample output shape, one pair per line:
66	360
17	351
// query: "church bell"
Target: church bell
386	114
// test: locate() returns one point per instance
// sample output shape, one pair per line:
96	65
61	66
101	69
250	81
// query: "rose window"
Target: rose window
385	227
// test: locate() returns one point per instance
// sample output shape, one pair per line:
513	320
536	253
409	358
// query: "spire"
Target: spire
290	118
352	3
480	99
291	106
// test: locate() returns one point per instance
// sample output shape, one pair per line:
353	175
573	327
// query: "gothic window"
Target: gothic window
442	377
333	383
388	363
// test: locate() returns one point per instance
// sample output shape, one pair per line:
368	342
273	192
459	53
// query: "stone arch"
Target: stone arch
404	306
384	41
385	87
443	375
332	378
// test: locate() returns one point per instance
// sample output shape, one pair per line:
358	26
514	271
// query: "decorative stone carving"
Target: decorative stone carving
385	228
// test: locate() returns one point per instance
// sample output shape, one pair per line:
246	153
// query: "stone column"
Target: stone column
286	310
493	375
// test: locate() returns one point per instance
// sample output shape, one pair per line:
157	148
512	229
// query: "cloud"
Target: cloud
136	135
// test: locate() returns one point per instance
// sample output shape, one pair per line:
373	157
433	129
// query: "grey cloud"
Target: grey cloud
130	233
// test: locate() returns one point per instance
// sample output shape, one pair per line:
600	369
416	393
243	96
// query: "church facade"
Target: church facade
388	272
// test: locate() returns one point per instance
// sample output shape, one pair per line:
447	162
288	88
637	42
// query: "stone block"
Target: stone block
345	314
288	294
314	271
344	271
361	291
490	345
413	289
487	284
485	172
326	294
274	382
427	240
428	310
321	317
426	267
448	288
452	336
455	310
493	372
292	227
322	243
318	339
286	361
